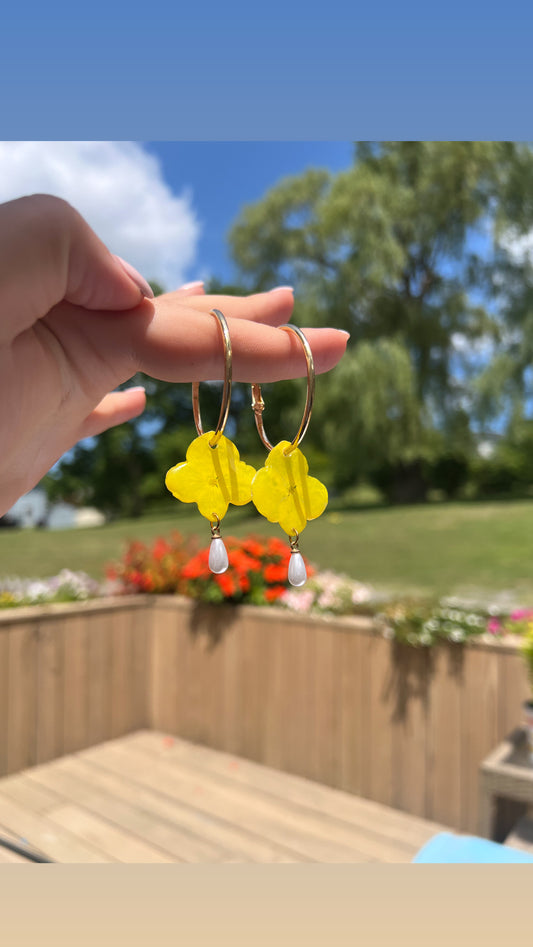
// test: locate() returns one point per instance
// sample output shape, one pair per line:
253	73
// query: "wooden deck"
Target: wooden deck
148	797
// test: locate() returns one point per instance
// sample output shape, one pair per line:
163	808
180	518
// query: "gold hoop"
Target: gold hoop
226	392
258	405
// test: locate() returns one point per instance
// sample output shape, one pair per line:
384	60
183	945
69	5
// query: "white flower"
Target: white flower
457	635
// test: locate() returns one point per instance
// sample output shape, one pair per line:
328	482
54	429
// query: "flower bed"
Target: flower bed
66	587
257	575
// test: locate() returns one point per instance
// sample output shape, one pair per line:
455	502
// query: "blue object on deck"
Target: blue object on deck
446	849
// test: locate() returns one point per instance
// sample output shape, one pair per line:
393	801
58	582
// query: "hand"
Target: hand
75	322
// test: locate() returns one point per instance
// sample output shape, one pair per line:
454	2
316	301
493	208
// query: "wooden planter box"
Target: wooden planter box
330	700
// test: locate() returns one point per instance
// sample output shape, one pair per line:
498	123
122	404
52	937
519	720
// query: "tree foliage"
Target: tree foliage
413	250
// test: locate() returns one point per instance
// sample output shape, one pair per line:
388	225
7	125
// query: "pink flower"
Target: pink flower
521	613
494	626
298	601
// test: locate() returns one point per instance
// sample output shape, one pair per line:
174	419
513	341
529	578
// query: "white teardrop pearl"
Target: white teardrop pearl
218	556
297	570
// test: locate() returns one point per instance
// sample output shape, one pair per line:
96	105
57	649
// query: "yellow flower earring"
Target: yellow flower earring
213	476
282	491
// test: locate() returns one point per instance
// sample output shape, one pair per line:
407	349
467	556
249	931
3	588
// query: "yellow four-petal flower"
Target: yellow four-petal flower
283	492
211	477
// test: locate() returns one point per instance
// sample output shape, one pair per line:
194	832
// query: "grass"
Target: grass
442	548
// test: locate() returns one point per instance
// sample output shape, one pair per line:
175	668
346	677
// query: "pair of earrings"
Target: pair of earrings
213	475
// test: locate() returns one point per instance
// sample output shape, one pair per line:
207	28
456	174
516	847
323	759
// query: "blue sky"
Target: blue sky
166	207
225	175
243	70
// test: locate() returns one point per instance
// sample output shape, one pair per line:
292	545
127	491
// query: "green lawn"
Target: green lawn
443	548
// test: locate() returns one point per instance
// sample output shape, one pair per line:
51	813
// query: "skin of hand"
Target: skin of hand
76	321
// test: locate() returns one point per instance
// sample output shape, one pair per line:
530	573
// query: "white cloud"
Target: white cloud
481	348
519	246
119	188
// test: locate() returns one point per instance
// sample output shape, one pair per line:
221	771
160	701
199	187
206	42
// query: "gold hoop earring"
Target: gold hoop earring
282	491
212	475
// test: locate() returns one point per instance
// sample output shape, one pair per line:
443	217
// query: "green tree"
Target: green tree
410	244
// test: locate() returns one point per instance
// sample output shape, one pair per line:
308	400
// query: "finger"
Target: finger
260	353
177	343
115	408
273	308
190	289
49	253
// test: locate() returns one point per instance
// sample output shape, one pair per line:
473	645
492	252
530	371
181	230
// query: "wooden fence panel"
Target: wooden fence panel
100	694
75	634
479	726
513	690
70	677
352	711
22	697
50	690
4	701
378	719
444	735
326	709
410	693
298	654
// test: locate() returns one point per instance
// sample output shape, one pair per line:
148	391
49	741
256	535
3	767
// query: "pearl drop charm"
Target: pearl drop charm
297	570
218	556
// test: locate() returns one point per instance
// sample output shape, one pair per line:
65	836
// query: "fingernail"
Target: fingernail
329	329
139	280
276	288
193	285
135	388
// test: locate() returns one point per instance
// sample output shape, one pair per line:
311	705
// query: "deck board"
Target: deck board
149	797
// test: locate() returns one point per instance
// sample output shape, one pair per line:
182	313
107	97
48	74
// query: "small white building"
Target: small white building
61	516
30	510
33	510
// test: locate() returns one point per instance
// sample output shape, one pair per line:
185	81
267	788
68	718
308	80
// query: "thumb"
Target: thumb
114	408
49	253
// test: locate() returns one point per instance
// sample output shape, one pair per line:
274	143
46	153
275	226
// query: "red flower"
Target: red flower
274	592
243	563
276	547
135	577
275	573
254	548
197	567
226	582
160	549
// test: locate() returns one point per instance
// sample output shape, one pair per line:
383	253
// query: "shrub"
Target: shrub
156	568
424	623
